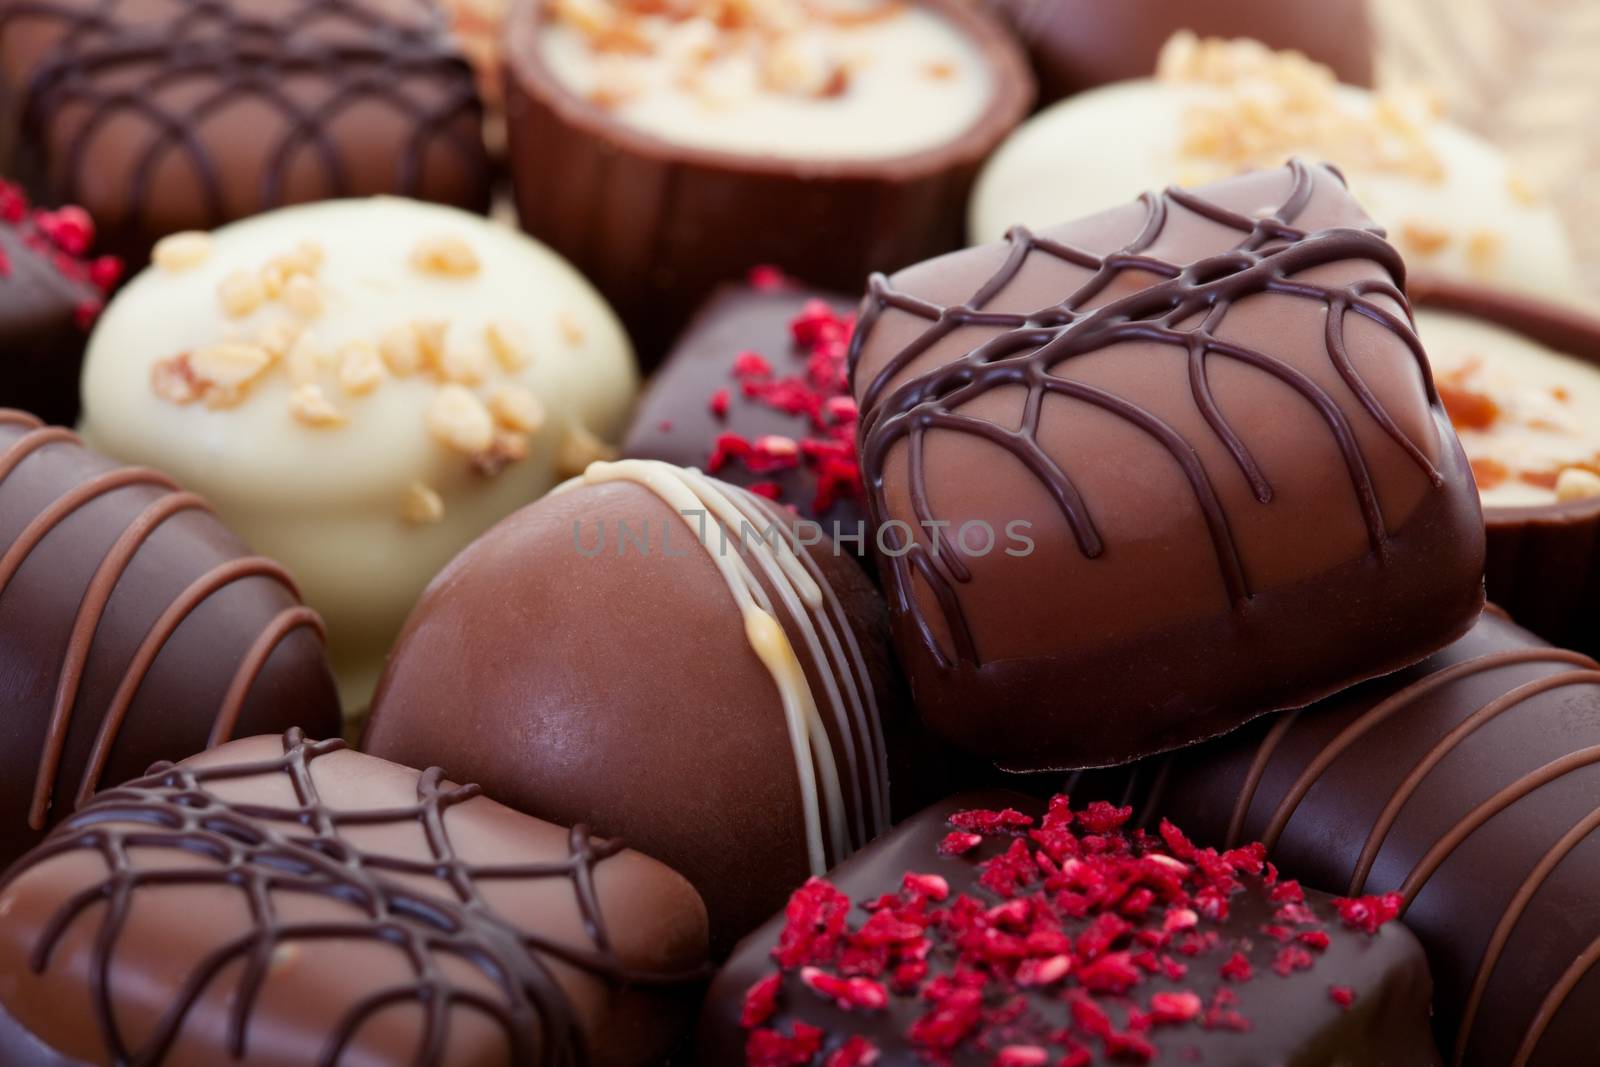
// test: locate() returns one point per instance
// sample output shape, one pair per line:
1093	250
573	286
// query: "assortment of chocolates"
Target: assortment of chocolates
864	647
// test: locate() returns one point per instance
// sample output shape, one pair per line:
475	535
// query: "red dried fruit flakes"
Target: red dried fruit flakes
760	1001
957	843
857	1051
1342	995
771	1048
1369	913
62	238
991	822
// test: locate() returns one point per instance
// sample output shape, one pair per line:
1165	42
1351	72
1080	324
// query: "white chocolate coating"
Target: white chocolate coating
366	509
730	526
1471	219
1545	413
882	80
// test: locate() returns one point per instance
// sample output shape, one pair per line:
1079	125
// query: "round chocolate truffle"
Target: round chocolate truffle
1520	378
166	115
666	149
648	651
361	387
1079	44
50	294
1450	201
133	627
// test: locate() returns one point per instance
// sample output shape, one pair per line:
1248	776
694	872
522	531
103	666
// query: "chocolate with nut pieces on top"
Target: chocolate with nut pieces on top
1142	477
987	932
756	392
283	901
134	627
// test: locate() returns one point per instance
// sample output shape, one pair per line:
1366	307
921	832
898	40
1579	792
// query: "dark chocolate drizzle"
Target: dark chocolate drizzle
244	56
1269	256
119	557
1585	672
261	850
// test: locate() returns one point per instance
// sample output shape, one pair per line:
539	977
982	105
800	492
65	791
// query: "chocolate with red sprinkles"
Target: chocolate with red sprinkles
52	288
756	392
1064	939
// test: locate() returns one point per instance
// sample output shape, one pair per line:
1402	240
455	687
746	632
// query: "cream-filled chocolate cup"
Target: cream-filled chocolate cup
1521	380
665	153
361	387
1450	202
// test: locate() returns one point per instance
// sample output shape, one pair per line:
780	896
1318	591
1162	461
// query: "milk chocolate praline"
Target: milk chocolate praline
1192	465
1543	560
658	224
1079	44
591	658
133	627
287	901
1465	783
167	115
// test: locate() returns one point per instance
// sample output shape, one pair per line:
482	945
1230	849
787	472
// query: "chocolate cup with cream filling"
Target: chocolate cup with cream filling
1142	477
657	225
1078	44
622	653
1466	783
1543	560
134	627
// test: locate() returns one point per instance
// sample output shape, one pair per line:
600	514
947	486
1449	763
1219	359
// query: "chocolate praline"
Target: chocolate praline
1079	44
133	627
167	115
623	652
1466	784
285	901
1543	559
657	224
1143	477
987	932
755	392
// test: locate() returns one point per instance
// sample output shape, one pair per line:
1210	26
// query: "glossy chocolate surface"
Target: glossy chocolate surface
1078	44
284	901
166	115
658	226
680	420
1211	415
133	627
586	659
1468	784
1269	1018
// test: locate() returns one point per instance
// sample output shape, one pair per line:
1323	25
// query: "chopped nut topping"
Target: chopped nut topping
303	296
1522	190
430	334
509	342
360	368
401	350
240	293
507	448
459	420
310	405
1577	483
172	379
579	448
803	66
305	360
229	365
1483	250
1423	239
422	505
181	251
516	408
464	364
446	254
278	337
571	329
1273	105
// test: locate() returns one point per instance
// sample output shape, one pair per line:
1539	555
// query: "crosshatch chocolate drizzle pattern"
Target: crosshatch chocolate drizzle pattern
1583	672
249	56
261	849
97	597
1271	253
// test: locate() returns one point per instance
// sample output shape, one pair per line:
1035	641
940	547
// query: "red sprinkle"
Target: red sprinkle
1342	995
719	403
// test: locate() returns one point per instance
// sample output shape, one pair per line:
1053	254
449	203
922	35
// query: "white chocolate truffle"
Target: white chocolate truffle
1527	415
352	421
1450	201
795	79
